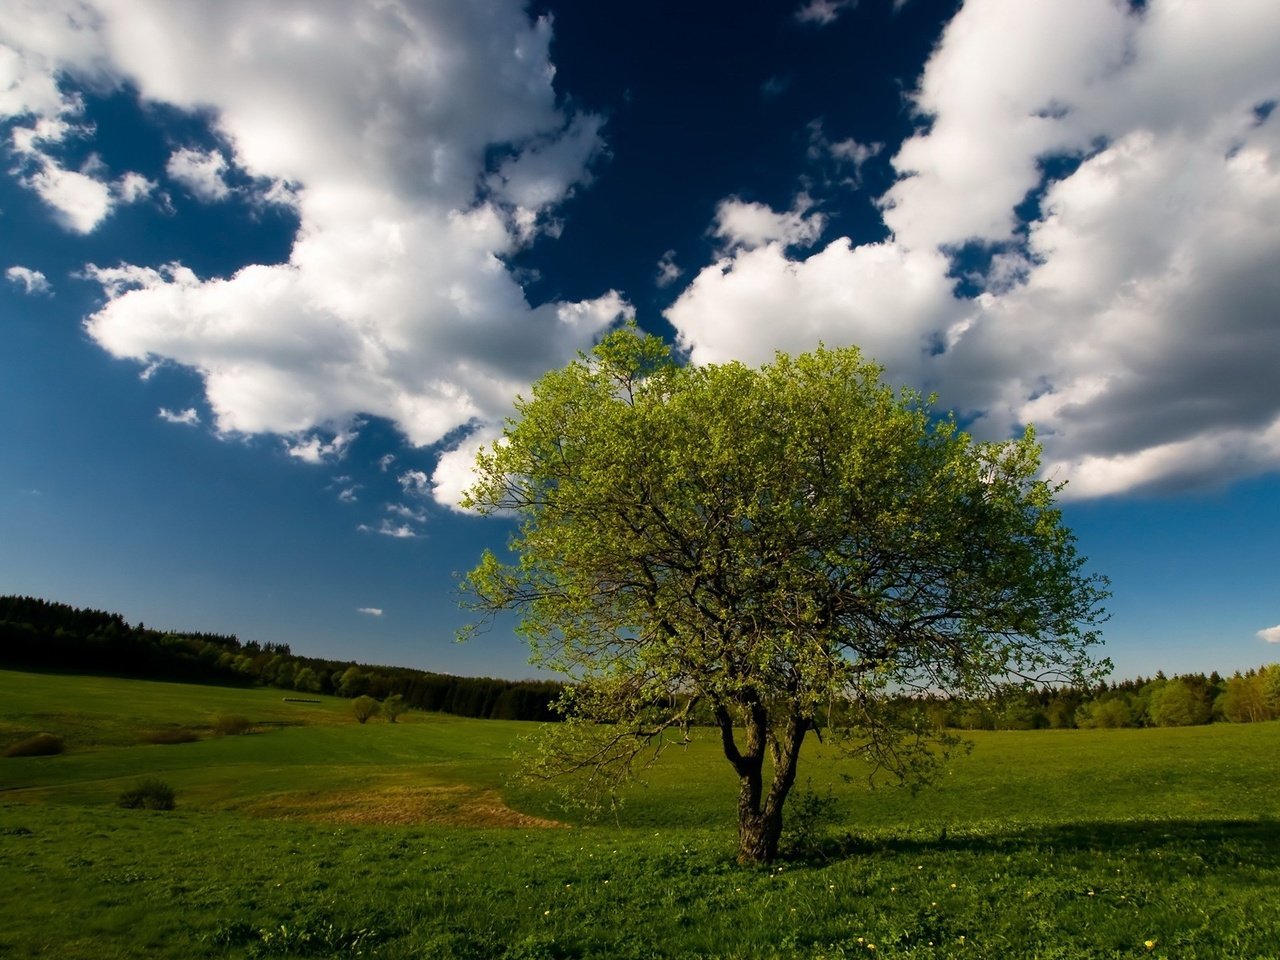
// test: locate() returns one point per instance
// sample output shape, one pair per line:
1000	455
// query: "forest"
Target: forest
41	634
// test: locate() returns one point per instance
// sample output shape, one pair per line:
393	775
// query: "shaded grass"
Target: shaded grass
223	886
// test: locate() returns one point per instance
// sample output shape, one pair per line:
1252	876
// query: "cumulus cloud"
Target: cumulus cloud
1270	634
31	281
370	611
133	187
80	200
746	226
1109	179
420	144
202	172
188	417
454	471
315	449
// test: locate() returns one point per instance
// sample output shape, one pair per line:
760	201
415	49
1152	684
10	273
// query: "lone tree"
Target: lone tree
781	549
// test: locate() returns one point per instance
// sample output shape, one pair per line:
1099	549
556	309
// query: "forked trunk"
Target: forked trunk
760	814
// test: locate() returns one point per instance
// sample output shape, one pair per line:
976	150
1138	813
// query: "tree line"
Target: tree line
1182	700
42	634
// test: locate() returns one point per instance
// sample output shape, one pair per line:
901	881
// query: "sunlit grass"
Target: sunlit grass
335	839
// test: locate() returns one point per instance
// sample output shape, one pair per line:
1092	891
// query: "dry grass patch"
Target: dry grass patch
454	805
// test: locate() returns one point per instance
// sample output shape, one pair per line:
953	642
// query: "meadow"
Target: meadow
315	836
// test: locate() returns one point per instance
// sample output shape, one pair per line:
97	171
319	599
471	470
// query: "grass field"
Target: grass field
316	837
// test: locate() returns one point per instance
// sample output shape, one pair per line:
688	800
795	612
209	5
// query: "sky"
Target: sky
273	272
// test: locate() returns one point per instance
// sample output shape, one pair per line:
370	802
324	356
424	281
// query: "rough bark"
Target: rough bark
760	814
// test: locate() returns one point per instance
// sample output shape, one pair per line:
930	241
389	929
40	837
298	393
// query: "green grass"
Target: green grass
320	837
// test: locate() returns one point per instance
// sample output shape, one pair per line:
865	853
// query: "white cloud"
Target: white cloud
385	461
884	298
851	151
188	417
31	281
1132	318
348	494
744	225
370	611
201	172
454	472
397	531
668	271
132	187
414	481
1270	634
315	449
420	144
79	200
823	12
407	513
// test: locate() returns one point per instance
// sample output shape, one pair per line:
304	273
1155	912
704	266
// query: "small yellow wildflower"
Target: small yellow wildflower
1149	944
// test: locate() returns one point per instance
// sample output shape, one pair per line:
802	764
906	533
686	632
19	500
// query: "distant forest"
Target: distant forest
41	634
44	635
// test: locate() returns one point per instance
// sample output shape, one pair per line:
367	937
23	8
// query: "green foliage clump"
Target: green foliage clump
393	706
232	725
41	745
1105	714
149	794
364	707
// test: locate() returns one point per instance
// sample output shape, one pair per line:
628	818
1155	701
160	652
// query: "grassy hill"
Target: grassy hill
317	836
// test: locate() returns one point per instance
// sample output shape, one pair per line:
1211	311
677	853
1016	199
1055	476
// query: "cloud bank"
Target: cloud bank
1108	179
420	144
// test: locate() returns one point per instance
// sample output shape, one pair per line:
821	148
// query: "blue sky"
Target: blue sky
272	271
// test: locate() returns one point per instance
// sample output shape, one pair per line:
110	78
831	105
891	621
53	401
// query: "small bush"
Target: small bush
232	725
148	795
171	735
809	814
41	745
393	706
364	707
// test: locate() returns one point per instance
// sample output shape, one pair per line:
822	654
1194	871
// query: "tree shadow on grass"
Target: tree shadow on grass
1213	841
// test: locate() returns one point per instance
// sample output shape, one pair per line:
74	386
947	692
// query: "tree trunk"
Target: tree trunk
760	816
758	836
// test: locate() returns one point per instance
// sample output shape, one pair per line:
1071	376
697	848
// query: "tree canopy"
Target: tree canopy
781	548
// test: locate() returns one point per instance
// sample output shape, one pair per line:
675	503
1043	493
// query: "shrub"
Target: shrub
231	726
148	794
171	735
393	706
41	745
364	707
